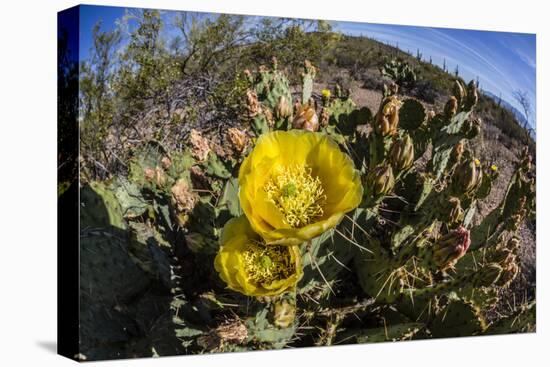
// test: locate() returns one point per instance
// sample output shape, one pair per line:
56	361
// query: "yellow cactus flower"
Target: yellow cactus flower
297	184
325	93
251	267
494	167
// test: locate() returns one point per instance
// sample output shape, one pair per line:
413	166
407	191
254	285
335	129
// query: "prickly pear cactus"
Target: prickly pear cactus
377	237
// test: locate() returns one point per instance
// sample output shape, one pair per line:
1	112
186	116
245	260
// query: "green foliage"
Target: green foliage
400	72
406	264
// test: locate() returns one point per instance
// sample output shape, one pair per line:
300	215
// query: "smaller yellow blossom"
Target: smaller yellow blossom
248	266
325	93
494	168
477	162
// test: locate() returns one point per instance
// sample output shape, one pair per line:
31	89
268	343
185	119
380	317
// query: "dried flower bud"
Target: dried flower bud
283	108
387	118
380	181
248	75
184	198
468	176
238	139
325	117
475	130
393	88
456	213
451	247
431	114
149	173
526	163
274	62
268	117
459	92
199	144
309	68
458	151
338	91
253	107
451	107
472	96
306	118
165	162
155	175
284	314
402	153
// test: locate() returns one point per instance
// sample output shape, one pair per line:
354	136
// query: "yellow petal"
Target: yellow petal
274	151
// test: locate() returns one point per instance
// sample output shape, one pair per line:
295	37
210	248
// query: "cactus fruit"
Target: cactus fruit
451	247
402	153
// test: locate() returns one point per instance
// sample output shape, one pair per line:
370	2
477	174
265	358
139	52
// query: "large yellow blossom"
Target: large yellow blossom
249	266
297	184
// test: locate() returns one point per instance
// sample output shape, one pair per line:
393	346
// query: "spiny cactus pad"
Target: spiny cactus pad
412	257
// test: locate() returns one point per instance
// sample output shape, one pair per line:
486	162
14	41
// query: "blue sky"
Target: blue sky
504	62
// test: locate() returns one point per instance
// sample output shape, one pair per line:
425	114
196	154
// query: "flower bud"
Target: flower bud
468	176
458	151
390	90
475	129
155	175
252	104
472	96
284	314
199	144
325	117
283	108
248	76
268	117
459	92
451	107
526	162
306	118
183	197
451	247
430	115
380	181
387	118
238	139
309	68
402	153
325	94
455	211
274	62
